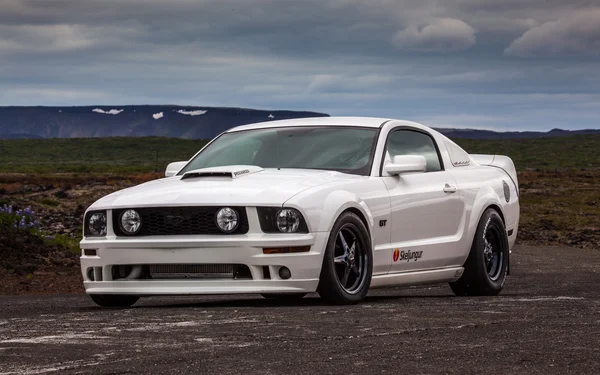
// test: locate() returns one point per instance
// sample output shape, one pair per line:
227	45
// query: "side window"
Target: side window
409	142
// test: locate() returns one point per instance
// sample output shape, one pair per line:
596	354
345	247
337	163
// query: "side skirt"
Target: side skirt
438	275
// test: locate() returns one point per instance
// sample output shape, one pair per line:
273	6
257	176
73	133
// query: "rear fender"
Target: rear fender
501	162
486	197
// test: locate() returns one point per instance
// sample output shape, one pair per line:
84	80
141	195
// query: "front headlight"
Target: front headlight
131	222
281	220
227	219
95	224
288	220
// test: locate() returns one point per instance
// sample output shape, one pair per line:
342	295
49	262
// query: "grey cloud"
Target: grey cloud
574	33
338	83
441	35
345	57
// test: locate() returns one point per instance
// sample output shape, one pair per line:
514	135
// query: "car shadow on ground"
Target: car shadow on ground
150	303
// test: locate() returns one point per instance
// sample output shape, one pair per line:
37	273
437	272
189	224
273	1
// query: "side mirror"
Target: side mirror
406	164
173	168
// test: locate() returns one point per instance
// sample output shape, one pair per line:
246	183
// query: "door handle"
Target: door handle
449	189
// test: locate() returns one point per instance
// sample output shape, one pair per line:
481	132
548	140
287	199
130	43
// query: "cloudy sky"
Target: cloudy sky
494	64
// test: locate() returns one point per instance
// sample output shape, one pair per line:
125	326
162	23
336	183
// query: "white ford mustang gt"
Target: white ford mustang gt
283	208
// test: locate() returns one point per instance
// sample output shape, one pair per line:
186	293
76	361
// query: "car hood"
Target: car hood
221	186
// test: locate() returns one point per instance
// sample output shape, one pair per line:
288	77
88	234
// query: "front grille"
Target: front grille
199	271
166	221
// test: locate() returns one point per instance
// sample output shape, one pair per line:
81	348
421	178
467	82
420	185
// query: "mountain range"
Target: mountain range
131	121
177	121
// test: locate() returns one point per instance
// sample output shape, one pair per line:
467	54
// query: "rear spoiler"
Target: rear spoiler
499	161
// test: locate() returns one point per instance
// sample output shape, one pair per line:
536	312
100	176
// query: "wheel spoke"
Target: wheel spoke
349	259
345	277
344	244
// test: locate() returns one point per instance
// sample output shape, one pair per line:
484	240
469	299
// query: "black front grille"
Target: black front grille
199	271
166	221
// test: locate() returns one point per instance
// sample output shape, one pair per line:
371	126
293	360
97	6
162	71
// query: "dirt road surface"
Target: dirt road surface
547	320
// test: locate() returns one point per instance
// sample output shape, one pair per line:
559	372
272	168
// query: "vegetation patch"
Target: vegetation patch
129	155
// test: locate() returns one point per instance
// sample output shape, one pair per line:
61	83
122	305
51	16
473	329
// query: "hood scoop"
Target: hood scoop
230	171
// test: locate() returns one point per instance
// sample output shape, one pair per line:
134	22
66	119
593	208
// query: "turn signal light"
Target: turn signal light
286	250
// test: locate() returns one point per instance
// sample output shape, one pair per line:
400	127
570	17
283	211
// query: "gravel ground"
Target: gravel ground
546	321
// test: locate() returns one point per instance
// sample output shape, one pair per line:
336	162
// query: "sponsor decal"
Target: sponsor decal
410	255
244	171
396	255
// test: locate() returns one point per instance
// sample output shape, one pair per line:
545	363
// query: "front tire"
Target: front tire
114	300
487	264
347	262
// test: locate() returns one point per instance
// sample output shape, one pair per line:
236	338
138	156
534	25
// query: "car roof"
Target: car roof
370	122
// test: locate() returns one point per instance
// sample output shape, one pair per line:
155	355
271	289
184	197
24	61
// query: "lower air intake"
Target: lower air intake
199	271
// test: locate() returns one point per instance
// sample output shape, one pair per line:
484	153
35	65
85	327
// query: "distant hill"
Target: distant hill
488	134
131	121
176	122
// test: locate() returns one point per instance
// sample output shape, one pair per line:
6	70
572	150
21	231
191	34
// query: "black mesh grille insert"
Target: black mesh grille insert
166	221
199	271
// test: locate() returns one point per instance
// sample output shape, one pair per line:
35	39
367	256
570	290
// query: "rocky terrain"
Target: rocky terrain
46	260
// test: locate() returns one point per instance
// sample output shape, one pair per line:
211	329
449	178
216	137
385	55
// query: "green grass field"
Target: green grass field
574	152
149	154
97	155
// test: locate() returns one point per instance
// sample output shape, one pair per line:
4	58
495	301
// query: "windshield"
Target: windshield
343	149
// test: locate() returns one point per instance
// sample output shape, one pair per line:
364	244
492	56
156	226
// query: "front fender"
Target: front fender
322	212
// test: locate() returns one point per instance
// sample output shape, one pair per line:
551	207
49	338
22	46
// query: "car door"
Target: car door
425	207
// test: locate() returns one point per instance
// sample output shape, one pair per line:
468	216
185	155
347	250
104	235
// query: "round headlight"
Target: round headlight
288	220
97	224
227	219
131	222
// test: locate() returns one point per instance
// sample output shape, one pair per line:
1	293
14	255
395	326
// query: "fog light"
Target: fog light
121	271
285	273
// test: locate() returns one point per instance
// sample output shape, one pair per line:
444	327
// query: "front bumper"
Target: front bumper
205	249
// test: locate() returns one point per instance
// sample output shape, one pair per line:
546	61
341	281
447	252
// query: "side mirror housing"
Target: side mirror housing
175	167
406	164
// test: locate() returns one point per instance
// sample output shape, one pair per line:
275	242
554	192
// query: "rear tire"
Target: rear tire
287	297
347	262
114	300
487	264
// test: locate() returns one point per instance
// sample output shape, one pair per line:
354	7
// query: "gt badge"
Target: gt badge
396	255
